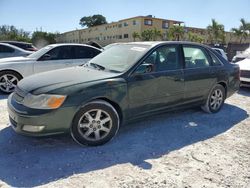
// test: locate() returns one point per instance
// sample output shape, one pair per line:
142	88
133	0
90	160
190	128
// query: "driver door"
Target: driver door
159	88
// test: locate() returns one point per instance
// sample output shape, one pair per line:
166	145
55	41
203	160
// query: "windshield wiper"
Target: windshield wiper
97	66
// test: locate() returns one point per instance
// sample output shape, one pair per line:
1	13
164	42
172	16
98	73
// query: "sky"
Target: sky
64	15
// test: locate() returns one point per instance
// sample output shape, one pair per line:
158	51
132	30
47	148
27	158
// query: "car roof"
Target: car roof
72	44
156	43
12	46
16	42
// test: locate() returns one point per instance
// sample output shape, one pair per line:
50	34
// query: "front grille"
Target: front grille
245	73
19	95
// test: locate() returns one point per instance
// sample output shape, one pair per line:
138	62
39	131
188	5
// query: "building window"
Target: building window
119	25
148	22
164	24
119	36
125	24
125	36
134	22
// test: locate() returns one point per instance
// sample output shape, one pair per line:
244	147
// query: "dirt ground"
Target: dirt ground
188	148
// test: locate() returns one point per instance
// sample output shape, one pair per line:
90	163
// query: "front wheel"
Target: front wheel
215	99
8	81
95	124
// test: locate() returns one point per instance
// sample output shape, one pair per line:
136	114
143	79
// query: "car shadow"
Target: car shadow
27	162
245	91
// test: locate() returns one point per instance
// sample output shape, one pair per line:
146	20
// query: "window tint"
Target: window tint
218	51
58	53
215	60
6	49
81	52
195	57
163	59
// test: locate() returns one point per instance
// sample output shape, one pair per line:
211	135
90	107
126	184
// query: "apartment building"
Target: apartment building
121	31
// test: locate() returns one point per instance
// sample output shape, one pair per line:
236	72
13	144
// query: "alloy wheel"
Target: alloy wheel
216	99
8	83
95	124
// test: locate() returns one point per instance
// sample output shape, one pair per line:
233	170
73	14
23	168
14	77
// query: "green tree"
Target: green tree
216	32
176	32
12	33
156	34
94	20
147	35
193	37
243	31
135	35
41	38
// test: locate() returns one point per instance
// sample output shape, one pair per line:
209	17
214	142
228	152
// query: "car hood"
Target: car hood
52	80
244	64
15	59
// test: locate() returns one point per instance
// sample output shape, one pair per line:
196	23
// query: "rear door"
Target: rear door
198	74
57	58
82	54
160	88
6	51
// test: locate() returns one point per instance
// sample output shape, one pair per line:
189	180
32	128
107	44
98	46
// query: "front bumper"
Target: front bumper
54	121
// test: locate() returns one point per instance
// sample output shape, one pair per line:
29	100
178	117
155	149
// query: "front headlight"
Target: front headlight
43	101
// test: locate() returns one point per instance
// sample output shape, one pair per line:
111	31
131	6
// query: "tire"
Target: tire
215	99
8	81
95	124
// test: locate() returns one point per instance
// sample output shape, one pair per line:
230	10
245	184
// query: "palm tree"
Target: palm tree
176	32
135	35
216	32
237	33
245	28
156	34
147	35
195	37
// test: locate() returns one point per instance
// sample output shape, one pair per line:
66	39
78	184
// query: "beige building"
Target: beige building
122	31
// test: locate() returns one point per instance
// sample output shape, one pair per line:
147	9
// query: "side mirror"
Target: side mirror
144	68
45	57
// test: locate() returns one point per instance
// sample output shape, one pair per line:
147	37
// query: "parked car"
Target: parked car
8	50
51	57
125	82
241	56
221	52
23	45
245	72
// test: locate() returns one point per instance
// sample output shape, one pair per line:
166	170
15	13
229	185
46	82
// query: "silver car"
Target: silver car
51	57
8	50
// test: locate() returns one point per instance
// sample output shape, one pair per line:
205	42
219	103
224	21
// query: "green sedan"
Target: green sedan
125	82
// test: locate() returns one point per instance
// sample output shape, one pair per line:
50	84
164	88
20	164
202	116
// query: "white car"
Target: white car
241	56
244	72
221	52
51	57
8	50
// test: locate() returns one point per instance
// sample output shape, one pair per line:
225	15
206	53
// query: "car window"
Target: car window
163	58
215	60
81	52
58	53
195	57
6	49
218	51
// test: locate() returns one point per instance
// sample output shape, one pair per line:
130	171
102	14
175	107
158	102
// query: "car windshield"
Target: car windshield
40	52
119	57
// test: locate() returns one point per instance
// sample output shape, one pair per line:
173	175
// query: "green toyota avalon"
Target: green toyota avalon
125	82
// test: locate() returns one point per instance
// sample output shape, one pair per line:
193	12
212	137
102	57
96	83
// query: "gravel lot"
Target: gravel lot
188	148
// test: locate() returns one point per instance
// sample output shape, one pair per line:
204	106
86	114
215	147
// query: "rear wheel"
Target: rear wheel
215	99
95	124
8	81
